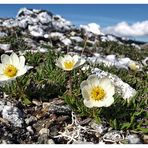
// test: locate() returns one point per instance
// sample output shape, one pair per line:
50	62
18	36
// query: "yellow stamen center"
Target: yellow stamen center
97	93
69	64
10	71
134	66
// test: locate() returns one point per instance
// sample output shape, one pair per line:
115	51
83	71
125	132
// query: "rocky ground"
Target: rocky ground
54	121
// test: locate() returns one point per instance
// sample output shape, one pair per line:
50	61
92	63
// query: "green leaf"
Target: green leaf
126	125
26	101
144	130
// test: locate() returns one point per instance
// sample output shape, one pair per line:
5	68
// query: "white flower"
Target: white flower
97	92
12	66
69	62
134	66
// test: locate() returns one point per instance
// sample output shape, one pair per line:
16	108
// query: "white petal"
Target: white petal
106	84
3	78
88	103
100	103
93	80
22	61
109	101
110	91
21	71
82	61
2	68
68	58
76	58
15	59
61	60
83	84
5	59
79	63
28	67
59	64
85	94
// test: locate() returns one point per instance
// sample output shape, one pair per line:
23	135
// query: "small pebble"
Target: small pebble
37	103
46	104
50	141
29	128
145	139
44	131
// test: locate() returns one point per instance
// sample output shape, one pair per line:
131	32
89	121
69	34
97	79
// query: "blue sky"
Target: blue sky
102	14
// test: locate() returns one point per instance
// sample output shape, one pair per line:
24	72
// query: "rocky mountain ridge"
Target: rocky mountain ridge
40	23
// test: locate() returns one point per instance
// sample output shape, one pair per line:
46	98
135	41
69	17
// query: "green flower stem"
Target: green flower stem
19	87
22	94
69	83
96	114
93	112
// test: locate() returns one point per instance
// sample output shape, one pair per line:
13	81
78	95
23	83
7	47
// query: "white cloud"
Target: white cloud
125	29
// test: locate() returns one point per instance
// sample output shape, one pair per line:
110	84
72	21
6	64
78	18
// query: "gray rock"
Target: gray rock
30	120
5	142
36	102
92	28
43	138
23	12
76	39
23	23
44	131
78	48
3	34
136	46
36	31
60	109
44	17
97	127
60	24
42	50
10	23
145	138
145	61
2	105
122	88
66	41
5	46
46	104
113	136
12	114
56	35
134	139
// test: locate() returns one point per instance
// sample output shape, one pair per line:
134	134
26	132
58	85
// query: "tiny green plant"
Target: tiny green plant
68	63
12	67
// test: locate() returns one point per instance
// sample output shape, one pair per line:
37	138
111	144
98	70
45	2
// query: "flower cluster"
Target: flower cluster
96	92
